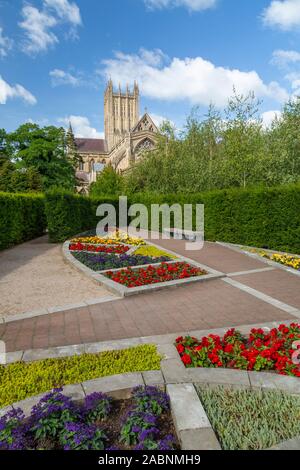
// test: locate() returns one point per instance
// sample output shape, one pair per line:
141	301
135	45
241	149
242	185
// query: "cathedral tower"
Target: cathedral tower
121	113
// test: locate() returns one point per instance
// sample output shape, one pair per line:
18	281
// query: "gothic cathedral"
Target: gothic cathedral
126	136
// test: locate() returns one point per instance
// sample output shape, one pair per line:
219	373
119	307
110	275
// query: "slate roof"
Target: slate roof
90	145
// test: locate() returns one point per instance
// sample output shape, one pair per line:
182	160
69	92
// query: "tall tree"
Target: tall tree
45	150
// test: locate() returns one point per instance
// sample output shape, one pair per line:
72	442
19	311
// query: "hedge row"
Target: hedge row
262	217
22	218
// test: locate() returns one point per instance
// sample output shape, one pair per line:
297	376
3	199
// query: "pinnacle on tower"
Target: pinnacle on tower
136	88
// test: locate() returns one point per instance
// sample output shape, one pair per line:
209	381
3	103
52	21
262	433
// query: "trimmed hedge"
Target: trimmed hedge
22	218
262	217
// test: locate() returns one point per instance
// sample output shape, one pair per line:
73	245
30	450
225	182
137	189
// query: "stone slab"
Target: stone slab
275	381
219	376
199	439
153	377
291	444
186	407
27	404
119	386
75	391
174	371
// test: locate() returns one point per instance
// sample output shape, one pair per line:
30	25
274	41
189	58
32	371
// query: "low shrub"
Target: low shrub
22	218
21	380
150	250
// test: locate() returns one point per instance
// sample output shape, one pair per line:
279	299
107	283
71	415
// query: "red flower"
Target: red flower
180	348
186	359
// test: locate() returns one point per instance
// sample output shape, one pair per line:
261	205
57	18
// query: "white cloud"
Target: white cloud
6	44
81	127
283	58
283	14
193	5
269	116
60	77
17	91
38	24
194	79
65	10
158	120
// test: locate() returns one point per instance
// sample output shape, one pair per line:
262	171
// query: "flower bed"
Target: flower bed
154	274
115	249
113	238
150	250
98	423
286	260
21	380
100	262
271	351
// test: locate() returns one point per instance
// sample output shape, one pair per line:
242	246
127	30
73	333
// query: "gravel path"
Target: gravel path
34	275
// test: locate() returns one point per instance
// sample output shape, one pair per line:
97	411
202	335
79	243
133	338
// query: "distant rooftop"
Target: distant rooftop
90	145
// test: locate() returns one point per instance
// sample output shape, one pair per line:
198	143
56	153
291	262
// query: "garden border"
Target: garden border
192	425
240	249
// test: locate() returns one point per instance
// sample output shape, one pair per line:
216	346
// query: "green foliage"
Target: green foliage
22	217
21	380
261	217
109	183
152	251
217	153
45	150
68	214
249	419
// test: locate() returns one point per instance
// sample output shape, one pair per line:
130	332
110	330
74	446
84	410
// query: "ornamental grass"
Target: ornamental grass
250	419
21	380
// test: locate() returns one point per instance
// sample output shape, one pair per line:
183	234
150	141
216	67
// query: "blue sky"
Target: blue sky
56	55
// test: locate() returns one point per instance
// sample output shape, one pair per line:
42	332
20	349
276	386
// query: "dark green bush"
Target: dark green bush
22	217
262	217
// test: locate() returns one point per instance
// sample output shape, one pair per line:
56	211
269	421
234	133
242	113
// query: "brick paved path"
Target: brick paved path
196	306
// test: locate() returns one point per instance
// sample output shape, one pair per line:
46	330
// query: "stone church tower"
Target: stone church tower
121	113
127	137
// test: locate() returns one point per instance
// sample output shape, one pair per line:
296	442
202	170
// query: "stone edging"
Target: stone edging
123	291
274	264
192	425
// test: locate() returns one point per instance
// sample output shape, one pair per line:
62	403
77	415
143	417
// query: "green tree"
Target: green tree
45	150
109	183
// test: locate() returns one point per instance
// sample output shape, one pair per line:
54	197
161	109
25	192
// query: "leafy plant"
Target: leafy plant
251	419
24	379
50	415
79	436
97	406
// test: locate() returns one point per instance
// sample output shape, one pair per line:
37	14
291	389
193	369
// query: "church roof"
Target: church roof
90	145
145	124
